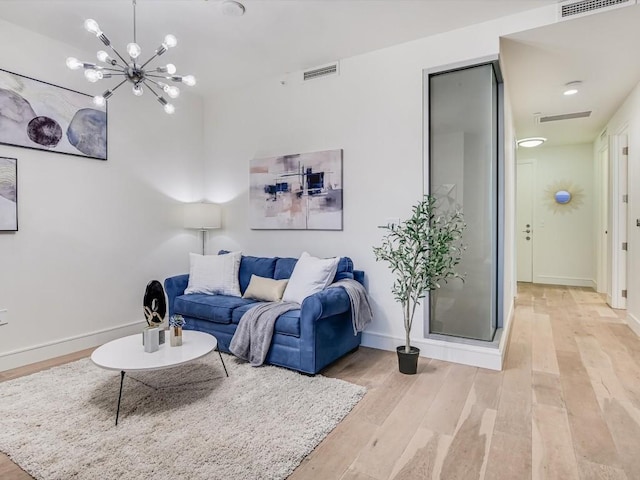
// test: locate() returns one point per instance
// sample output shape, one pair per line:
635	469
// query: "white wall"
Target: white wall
564	247
93	233
627	118
372	110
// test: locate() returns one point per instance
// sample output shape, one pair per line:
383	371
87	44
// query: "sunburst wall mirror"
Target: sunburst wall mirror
563	196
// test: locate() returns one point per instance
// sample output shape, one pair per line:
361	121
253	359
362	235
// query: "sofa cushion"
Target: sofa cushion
284	268
215	308
260	266
287	324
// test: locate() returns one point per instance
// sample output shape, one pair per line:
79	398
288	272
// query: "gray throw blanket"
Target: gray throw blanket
253	336
361	313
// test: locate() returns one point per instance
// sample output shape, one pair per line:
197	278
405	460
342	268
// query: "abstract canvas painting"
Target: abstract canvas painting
8	194
297	192
39	115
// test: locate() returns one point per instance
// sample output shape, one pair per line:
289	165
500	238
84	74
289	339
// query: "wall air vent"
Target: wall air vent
320	72
564	116
580	8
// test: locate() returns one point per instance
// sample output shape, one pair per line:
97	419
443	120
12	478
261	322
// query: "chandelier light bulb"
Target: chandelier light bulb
171	68
170	41
137	90
103	56
92	75
134	50
172	91
169	108
92	27
73	63
189	80
99	101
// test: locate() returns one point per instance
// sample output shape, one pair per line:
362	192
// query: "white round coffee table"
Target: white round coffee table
127	355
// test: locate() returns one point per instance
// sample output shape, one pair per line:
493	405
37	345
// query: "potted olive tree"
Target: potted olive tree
421	251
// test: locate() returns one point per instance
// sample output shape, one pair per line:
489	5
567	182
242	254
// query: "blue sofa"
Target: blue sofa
306	340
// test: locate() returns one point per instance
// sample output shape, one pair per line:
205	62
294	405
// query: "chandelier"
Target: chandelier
138	74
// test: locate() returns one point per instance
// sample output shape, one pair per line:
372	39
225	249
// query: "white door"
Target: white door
604	225
524	213
619	194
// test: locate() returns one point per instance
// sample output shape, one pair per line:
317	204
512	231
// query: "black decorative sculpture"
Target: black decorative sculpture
154	303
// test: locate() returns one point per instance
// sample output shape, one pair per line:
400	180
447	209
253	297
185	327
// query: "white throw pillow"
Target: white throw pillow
214	274
310	275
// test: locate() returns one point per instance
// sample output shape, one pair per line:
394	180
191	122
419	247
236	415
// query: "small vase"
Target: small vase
176	336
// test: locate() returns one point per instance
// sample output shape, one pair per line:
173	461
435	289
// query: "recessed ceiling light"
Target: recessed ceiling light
531	142
571	88
232	8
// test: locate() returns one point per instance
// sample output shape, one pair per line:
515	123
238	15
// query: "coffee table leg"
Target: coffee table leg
119	396
225	367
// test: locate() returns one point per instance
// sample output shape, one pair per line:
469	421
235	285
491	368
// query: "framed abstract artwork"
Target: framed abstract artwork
42	116
8	194
296	192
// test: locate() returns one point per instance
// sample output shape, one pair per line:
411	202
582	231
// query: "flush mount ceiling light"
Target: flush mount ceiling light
571	88
232	8
531	142
132	70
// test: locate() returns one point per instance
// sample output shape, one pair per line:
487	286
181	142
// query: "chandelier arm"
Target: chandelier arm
150	75
118	54
119	85
149	61
112	69
134	21
152	81
151	89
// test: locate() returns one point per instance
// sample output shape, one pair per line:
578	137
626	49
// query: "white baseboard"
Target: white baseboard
634	323
55	348
569	281
506	334
476	356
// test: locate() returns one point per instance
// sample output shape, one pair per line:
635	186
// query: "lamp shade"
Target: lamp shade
202	216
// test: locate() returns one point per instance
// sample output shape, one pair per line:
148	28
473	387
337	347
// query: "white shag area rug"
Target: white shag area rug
188	422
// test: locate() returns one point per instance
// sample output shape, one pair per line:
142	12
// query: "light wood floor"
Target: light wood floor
566	406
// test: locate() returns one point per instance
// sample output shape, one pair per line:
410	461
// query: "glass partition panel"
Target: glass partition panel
463	161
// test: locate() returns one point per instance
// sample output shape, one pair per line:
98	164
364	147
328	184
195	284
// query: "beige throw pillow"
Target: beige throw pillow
265	289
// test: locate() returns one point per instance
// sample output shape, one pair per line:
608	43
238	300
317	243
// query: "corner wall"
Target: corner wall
93	233
372	110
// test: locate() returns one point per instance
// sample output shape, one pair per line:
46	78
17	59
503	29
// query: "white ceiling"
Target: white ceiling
274	37
601	50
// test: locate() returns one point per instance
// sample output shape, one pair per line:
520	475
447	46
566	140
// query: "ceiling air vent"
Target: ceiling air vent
320	72
564	116
580	8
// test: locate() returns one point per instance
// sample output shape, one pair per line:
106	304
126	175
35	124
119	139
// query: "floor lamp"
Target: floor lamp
202	216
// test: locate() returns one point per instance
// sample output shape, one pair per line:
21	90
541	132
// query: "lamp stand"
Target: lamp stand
204	234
